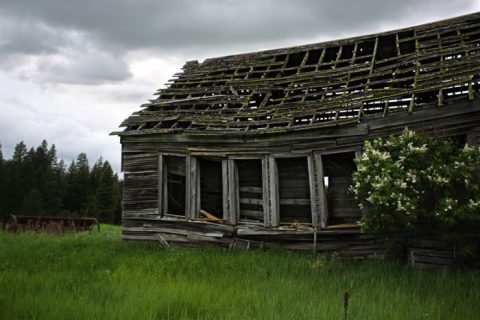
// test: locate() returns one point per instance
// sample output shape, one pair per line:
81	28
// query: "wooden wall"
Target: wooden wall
329	153
140	191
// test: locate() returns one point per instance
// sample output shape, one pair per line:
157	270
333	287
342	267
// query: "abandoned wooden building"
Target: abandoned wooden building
258	149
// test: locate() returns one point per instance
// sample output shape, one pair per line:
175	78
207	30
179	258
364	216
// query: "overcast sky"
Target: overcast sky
71	71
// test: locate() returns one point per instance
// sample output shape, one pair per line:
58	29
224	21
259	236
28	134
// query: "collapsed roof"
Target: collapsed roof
319	85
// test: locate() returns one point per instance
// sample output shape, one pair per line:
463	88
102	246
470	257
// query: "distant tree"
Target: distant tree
77	185
20	152
33	203
34	182
2	185
18	176
105	194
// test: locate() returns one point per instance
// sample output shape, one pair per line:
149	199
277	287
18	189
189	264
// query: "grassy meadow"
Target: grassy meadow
97	276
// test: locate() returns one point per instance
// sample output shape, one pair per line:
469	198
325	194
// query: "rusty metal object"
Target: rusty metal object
13	223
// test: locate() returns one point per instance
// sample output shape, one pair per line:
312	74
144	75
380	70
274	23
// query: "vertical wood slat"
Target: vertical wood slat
320	194
162	185
193	187
274	193
231	204
165	186
266	192
313	180
233	192
225	189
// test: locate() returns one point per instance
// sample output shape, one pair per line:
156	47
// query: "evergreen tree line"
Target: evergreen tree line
34	182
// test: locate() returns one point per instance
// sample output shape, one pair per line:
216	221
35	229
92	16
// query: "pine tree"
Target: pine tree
2	185
51	185
33	203
105	194
20	152
77	185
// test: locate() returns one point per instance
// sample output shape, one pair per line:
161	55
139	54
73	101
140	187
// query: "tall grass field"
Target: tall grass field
94	275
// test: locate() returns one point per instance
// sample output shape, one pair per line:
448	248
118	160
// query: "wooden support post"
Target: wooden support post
266	192
271	202
471	91
225	189
274	193
231	203
162	185
234	192
319	192
313	180
193	187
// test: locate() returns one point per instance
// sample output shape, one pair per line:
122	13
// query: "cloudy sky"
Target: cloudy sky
71	71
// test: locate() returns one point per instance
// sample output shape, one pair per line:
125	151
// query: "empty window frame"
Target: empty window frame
250	187
175	174
338	169
211	192
294	190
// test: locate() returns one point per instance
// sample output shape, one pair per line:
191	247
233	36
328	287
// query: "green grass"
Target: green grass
96	276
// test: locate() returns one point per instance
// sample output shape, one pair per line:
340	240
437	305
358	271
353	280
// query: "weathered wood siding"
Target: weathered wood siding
280	171
140	192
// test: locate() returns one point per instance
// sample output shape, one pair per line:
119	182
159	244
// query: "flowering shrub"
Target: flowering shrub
412	178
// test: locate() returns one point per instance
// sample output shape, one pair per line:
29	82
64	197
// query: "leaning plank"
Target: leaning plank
209	216
161	240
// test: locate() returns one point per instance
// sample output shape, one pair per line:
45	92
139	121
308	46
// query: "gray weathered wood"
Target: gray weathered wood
226	192
266	192
320	194
274	193
193	187
312	180
161	185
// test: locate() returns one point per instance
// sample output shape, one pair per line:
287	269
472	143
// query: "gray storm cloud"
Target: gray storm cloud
82	65
179	24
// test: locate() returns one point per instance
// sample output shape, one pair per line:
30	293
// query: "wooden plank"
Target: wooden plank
312	181
232	191
209	216
251	189
255	214
225	188
266	192
161	240
165	186
274	192
251	201
193	187
321	196
296	201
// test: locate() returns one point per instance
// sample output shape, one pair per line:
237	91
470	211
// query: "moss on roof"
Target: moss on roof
319	85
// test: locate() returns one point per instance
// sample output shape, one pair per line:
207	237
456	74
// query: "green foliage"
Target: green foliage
96	276
34	182
412	178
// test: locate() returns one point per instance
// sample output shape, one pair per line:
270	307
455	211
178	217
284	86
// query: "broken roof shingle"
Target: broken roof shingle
319	85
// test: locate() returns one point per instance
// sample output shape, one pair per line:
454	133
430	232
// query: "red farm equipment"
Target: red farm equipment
49	224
